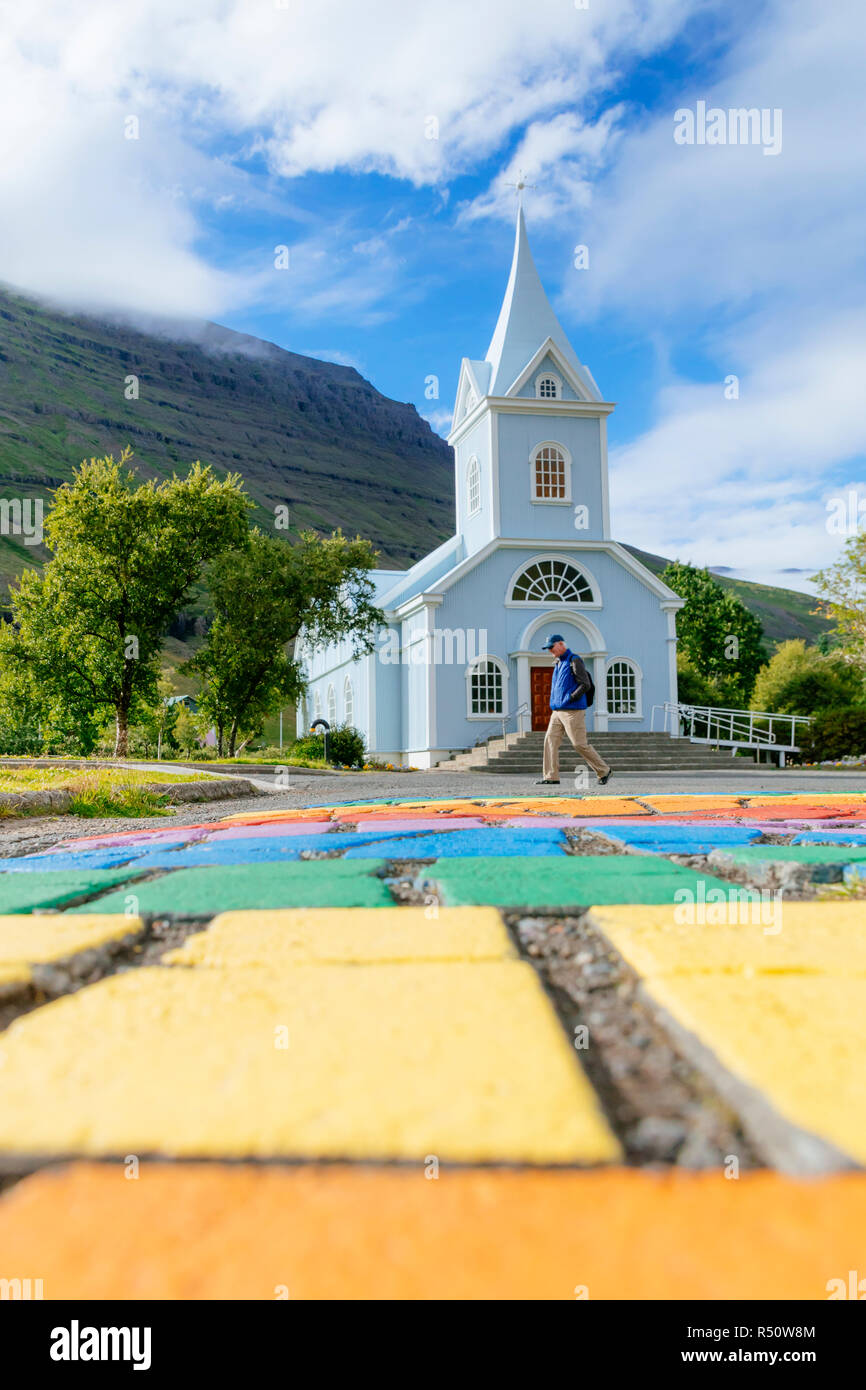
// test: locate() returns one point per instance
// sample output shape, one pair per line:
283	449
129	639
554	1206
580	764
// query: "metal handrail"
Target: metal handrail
735	728
503	721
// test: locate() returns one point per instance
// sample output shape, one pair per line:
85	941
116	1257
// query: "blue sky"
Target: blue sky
257	124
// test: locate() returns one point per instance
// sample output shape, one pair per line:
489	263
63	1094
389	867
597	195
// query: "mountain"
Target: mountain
784	613
305	433
310	434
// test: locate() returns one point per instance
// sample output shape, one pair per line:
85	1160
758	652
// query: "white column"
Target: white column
599	676
430	625
523	691
672	666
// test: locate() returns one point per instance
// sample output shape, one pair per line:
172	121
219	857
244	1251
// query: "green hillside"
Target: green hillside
304	433
784	613
309	434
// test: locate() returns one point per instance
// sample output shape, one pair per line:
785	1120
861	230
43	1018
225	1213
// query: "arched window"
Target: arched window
547	388
622	688
348	702
547	581
473	487
471	401
317	703
332	706
550	475
486	682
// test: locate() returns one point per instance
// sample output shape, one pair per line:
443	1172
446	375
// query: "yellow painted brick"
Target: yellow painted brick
813	938
360	935
40	938
798	1039
462	1061
14	973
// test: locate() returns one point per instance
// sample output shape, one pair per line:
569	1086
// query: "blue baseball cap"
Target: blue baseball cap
554	637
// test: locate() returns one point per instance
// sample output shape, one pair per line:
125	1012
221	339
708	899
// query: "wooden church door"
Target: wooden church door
539	693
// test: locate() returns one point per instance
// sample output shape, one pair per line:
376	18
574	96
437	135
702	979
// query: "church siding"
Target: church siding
477	530
519	437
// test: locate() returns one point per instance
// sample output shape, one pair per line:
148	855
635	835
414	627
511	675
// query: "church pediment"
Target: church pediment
549	368
472	387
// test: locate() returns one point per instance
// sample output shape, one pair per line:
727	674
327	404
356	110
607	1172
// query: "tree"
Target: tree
718	636
22	711
842	597
263	596
35	719
187	730
801	680
156	722
125	556
693	688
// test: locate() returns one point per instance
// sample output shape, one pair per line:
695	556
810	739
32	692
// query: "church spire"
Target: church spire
525	321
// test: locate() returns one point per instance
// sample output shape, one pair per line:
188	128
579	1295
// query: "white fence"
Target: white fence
732	728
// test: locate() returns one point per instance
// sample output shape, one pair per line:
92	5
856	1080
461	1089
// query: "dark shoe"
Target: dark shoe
602	781
548	782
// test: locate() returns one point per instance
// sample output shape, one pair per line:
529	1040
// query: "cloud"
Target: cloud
438	420
343	359
216	86
722	257
746	481
684	228
556	159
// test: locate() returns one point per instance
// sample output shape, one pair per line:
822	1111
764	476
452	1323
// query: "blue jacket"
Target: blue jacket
562	685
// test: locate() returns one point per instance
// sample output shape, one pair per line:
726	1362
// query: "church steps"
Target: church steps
626	752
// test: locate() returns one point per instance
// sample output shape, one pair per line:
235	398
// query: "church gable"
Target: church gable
547	376
471	388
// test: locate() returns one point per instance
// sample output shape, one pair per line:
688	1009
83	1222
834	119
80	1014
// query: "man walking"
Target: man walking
571	691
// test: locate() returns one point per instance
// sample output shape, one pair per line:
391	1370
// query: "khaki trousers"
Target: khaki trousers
573	723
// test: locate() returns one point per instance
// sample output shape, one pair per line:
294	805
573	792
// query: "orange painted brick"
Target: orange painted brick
712	804
298	813
846	800
786	809
241	1232
584	807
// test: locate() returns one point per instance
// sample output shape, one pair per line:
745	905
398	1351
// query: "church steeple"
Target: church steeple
526	320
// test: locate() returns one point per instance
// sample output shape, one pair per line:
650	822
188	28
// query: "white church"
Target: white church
461	658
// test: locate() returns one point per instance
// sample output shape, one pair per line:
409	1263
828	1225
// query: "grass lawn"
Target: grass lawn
106	791
283	759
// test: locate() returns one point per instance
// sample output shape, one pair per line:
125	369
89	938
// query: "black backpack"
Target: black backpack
583	681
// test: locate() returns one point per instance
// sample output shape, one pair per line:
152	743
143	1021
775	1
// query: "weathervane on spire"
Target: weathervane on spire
519	186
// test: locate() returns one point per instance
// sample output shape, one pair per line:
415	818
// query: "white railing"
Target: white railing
504	721
732	728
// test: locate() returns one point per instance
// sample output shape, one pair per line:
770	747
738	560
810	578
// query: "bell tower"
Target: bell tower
530	426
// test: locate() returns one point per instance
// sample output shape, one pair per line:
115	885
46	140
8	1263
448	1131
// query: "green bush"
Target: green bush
693	688
800	680
834	734
20	740
345	746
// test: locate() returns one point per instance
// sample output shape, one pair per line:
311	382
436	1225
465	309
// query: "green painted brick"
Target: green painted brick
797	854
578	881
24	892
198	892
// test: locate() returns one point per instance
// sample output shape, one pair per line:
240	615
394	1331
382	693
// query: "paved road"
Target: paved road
304	790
